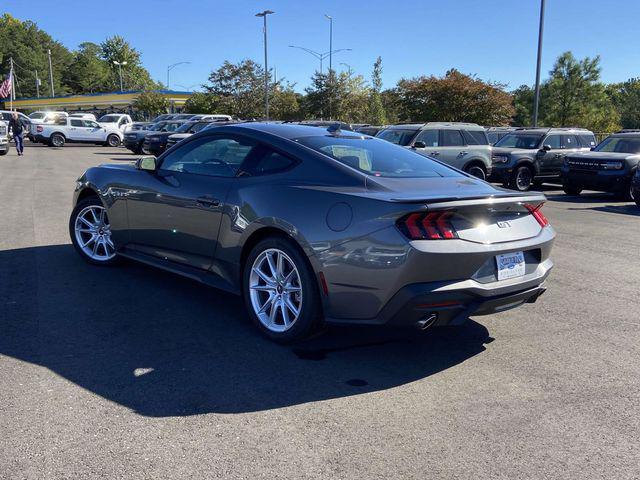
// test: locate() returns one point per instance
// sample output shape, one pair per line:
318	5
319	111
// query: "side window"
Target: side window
429	137
475	137
570	141
271	162
553	141
91	124
452	138
77	123
213	156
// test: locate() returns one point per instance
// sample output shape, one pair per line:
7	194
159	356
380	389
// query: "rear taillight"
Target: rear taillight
536	211
427	226
39	129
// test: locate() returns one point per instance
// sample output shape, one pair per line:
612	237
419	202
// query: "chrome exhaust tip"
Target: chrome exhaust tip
427	321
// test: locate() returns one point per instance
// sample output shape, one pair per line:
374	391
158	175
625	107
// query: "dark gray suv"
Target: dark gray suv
529	156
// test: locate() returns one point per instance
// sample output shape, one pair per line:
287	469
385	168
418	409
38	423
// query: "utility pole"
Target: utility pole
536	98
37	85
330	60
266	64
53	92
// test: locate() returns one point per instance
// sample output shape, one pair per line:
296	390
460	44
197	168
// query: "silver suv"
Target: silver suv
462	145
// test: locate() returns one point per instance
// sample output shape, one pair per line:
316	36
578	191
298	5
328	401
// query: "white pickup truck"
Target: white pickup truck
76	130
118	120
4	138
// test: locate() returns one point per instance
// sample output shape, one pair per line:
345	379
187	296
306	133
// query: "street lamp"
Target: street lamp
349	69
318	55
330	18
266	64
171	67
536	98
120	65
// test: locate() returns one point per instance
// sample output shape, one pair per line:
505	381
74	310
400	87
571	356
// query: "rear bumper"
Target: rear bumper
604	181
453	303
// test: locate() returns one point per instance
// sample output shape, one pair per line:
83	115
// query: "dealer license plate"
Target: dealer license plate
510	265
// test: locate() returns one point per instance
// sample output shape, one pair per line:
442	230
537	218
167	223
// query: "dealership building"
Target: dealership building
99	103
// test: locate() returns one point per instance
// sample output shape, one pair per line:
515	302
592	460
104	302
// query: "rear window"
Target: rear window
475	137
378	158
399	136
587	139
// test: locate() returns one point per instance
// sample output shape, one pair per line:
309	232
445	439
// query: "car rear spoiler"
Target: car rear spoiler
448	202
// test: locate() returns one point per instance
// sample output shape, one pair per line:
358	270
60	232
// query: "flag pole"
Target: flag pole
13	92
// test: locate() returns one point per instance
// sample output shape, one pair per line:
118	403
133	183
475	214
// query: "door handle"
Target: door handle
462	153
208	201
435	153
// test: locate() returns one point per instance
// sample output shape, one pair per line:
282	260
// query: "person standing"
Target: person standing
17	127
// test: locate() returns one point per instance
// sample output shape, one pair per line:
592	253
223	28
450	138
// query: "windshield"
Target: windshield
376	157
199	126
185	127
37	115
520	140
620	145
109	118
171	126
399	136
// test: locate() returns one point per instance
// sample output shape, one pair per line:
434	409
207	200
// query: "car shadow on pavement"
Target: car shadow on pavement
631	209
162	345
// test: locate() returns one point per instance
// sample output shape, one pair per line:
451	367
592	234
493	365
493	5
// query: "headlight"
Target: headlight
612	166
499	158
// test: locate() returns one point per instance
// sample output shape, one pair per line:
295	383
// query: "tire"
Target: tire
4	152
57	140
143	150
113	140
572	190
477	171
100	251
275	252
521	179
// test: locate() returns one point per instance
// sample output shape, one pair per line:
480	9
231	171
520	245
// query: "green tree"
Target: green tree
201	102
574	96
88	72
626	100
151	103
456	97
284	102
28	46
347	94
523	104
238	88
135	76
376	114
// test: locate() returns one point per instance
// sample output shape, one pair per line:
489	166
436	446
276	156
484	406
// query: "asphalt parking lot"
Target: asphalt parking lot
130	372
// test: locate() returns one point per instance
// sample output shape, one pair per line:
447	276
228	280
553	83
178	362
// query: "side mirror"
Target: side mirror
546	148
419	144
592	148
147	163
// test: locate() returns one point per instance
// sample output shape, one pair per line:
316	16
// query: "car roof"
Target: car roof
445	125
550	130
289	131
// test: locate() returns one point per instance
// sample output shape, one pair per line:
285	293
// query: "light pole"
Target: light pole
536	98
349	69
171	67
120	65
330	18
266	64
318	55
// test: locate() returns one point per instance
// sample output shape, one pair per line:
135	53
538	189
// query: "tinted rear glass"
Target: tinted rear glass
587	139
520	140
376	157
399	136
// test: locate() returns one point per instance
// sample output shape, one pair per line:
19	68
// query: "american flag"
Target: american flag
5	87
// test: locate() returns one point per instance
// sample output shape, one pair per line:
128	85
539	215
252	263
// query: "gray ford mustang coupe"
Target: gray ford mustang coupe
316	225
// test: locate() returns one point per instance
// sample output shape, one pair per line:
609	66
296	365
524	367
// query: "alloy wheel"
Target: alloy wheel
523	178
93	233
275	290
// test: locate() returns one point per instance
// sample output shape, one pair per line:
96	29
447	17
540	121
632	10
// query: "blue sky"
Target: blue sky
493	39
